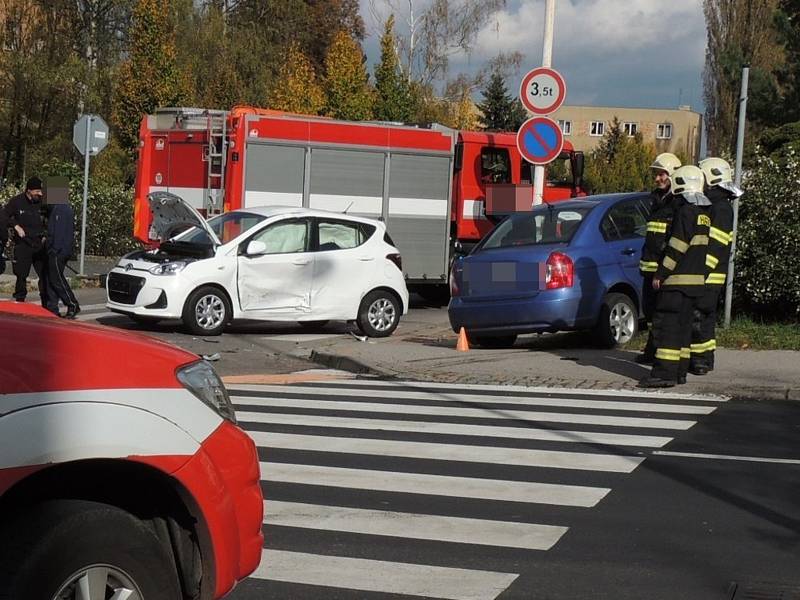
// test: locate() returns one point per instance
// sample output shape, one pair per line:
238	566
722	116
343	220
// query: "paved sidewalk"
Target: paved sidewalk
564	360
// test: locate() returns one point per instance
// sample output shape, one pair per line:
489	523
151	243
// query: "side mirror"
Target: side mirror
254	248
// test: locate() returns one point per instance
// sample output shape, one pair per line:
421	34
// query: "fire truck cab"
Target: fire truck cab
428	184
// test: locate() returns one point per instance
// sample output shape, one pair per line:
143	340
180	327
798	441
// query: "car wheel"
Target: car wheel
207	311
379	314
74	549
144	321
493	341
618	321
312	324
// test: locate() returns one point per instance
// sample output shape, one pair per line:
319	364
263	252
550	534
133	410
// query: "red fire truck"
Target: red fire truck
429	184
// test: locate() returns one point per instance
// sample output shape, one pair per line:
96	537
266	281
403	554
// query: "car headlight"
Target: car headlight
202	380
170	268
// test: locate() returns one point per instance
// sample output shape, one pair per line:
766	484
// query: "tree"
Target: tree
499	111
346	81
740	32
620	163
150	76
296	89
393	100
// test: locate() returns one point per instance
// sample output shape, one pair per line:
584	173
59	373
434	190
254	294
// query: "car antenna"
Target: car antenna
348	206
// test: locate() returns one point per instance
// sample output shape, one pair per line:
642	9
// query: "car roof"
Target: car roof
276	211
599	199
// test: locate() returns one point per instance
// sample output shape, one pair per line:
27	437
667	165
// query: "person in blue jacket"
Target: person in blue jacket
60	241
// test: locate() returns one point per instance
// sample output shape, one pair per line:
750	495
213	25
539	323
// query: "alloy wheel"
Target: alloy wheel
381	314
621	320
210	311
99	582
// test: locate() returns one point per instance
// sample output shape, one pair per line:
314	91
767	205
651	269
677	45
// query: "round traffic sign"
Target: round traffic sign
540	140
543	91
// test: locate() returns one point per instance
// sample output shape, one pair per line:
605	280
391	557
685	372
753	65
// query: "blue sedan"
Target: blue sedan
564	266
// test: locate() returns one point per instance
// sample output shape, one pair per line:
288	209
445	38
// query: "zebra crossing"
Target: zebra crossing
436	490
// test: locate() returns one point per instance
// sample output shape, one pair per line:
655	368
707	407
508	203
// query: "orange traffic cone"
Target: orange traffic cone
463	344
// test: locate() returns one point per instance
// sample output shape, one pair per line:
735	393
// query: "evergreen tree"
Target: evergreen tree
620	163
296	89
150	76
499	112
349	95
393	101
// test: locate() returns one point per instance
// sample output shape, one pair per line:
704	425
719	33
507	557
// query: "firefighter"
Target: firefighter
680	279
661	212
24	213
721	192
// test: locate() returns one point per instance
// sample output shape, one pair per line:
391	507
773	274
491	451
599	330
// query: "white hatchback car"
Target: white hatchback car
268	263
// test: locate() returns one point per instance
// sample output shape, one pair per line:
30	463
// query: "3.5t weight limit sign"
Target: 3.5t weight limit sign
543	91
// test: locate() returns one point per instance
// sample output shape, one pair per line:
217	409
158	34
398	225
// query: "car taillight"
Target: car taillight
397	260
560	271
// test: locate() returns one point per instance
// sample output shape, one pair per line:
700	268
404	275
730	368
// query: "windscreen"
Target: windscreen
549	225
226	227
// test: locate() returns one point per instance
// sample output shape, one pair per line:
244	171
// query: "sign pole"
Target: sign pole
86	152
738	182
547	59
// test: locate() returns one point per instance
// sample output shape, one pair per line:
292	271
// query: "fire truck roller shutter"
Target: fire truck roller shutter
274	175
342	178
419	213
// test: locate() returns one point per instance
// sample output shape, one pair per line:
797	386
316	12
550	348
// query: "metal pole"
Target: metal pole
86	150
738	182
547	60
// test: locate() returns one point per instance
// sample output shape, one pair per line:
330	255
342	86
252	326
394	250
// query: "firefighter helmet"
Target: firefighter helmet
666	161
686	180
716	171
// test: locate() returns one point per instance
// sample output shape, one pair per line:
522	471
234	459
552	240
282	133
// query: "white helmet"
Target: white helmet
666	161
716	171
687	180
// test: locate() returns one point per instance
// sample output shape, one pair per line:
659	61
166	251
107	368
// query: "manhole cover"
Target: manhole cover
764	590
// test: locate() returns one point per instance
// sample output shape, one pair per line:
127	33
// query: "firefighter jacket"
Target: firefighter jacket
720	235
683	267
28	215
655	242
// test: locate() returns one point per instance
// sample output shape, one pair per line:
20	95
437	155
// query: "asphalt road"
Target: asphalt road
378	491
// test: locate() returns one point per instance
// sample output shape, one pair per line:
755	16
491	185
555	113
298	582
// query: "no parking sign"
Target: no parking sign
540	140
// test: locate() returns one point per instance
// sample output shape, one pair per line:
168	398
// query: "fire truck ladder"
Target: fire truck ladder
217	155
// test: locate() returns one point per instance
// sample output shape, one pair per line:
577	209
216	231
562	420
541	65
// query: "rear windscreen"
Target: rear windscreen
543	226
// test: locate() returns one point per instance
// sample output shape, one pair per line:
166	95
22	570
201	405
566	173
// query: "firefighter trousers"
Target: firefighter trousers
672	335
704	323
649	296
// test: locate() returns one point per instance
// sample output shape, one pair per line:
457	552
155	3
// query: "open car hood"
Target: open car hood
171	213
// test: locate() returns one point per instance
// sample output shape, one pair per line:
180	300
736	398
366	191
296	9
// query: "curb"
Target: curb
344	363
766	393
76	282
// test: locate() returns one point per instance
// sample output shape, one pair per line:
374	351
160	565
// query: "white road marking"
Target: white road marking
380	576
610	463
521	433
437	485
504	534
482	413
272	391
778	461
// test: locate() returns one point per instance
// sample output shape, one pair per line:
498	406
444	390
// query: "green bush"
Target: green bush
767	277
109	230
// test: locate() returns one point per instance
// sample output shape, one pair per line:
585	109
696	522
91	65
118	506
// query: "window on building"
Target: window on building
631	129
495	165
664	131
597	128
566	126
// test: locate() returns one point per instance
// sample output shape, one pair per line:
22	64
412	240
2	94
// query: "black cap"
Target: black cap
34	183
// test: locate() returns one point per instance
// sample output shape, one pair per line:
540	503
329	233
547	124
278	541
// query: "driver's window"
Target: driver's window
284	238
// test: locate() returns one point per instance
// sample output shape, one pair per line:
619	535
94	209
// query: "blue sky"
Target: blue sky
631	53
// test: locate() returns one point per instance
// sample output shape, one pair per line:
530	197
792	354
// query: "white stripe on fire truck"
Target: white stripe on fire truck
256	198
193	196
365	205
473	209
417	207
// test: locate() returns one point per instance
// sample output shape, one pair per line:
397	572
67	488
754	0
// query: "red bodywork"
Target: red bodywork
174	158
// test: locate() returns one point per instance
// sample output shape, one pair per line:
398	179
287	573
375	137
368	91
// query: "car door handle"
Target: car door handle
301	261
629	252
366	258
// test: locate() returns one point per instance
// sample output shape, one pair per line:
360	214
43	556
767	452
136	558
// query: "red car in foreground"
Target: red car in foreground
123	473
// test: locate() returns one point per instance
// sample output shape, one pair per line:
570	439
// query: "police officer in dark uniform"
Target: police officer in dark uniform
655	242
24	213
721	192
680	279
60	242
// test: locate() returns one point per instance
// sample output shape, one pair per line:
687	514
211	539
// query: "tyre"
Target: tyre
312	324
207	311
618	321
63	546
379	314
145	321
493	341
